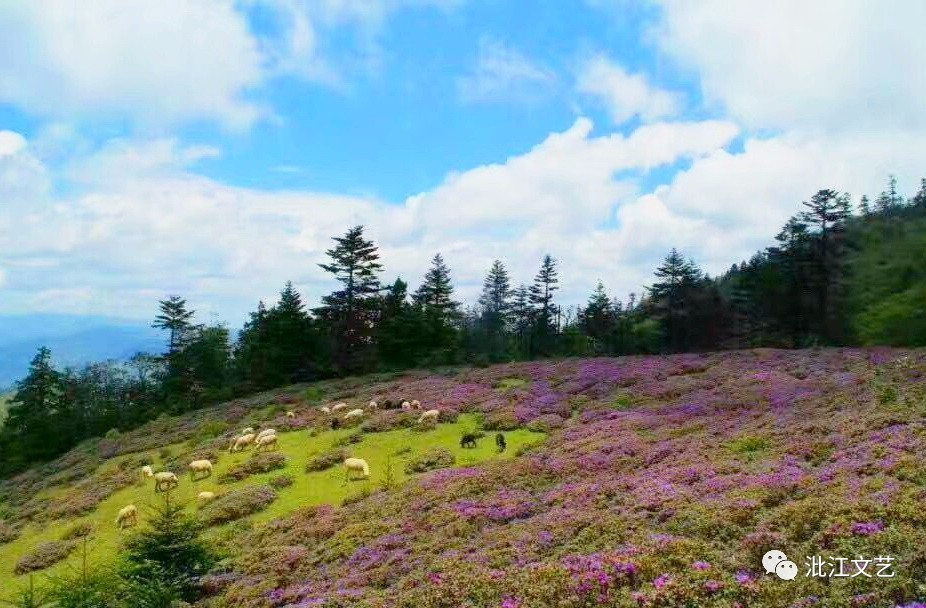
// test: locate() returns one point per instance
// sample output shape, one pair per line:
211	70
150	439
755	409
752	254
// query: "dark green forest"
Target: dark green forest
838	274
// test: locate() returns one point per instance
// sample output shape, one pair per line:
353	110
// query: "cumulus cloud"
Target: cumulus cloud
502	73
161	62
625	95
834	64
172	61
159	227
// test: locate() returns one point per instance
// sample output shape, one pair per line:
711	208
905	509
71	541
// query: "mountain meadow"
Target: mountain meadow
513	453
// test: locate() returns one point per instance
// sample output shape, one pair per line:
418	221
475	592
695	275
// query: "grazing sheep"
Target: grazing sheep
239	443
372	406
416	404
266	441
165	480
500	442
468	440
147	471
126	514
290	414
406	405
430	416
206	496
325	409
248	431
339	406
356	464
200	466
353	414
264	433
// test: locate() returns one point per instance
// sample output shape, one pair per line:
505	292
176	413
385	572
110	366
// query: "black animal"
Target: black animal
335	423
468	440
500	442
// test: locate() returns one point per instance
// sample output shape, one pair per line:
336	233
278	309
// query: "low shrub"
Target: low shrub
503	419
545	423
281	481
349	439
112	434
237	504
326	460
388	420
44	555
435	458
7	532
262	462
364	492
81	530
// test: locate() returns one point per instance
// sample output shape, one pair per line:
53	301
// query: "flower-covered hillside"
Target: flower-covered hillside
663	483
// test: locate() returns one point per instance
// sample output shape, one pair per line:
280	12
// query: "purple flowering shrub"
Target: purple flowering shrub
237	504
663	485
44	555
259	462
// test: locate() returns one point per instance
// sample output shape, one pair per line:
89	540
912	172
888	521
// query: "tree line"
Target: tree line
836	276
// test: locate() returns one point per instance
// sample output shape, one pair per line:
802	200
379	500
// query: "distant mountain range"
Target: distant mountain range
73	340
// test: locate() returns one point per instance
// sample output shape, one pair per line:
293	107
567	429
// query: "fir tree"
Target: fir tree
545	310
599	319
350	312
175	319
37	408
439	311
162	562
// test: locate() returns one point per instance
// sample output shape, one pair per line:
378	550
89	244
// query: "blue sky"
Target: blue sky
211	149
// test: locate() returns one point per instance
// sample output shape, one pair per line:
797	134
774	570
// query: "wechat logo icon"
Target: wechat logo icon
777	562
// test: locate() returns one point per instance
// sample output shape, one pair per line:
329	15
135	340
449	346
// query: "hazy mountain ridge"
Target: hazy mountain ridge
73	340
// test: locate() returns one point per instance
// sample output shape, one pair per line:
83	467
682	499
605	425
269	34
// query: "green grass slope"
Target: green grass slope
324	487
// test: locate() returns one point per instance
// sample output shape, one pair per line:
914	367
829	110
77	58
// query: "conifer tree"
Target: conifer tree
162	562
495	316
350	313
440	313
545	310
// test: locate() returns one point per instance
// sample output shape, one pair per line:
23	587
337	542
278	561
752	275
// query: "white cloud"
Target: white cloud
625	95
835	64
155	226
160	62
504	74
172	61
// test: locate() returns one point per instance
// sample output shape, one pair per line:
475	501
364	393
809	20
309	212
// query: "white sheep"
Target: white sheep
290	414
372	406
248	431
416	404
356	464
353	414
205	497
126	514
325	409
147	471
264	433
430	416
339	406
266	441
200	466
406	405
165	480
239	443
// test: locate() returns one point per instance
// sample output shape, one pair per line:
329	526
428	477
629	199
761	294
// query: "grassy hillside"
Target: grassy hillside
661	482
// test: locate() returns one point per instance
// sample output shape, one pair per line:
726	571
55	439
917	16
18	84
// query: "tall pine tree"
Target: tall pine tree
350	313
544	327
